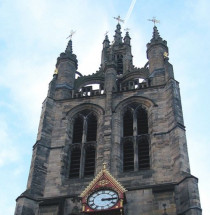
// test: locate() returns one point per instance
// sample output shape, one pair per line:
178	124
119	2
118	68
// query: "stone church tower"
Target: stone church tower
127	117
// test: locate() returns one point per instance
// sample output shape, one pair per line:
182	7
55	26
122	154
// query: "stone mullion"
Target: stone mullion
82	158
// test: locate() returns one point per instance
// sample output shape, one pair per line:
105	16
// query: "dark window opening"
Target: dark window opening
128	156
128	124
119	64
142	122
143	153
89	161
78	129
75	163
91	128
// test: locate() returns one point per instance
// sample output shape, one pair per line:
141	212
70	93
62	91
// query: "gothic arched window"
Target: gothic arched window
85	136
135	128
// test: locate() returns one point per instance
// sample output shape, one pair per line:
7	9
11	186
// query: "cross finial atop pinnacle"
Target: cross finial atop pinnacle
71	34
154	20
127	29
106	33
119	19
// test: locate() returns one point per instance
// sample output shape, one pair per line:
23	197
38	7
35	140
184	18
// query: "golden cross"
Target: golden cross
106	33
119	19
127	29
71	34
154	20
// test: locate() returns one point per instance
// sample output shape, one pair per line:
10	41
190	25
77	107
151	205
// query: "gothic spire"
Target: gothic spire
69	49
156	35
68	54
156	38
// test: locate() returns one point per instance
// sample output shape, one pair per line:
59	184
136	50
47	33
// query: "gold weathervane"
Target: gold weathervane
119	19
154	20
71	34
165	54
56	71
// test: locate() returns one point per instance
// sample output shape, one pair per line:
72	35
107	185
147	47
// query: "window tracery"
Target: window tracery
135	138
84	136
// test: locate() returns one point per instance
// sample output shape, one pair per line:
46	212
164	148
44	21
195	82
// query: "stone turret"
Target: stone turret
104	55
155	51
127	39
66	67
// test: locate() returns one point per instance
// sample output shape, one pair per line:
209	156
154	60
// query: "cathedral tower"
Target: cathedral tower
118	149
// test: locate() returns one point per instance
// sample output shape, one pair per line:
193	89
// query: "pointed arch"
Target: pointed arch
91	127
142	121
128	123
78	129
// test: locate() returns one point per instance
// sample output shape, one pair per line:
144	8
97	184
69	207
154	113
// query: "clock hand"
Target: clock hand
108	199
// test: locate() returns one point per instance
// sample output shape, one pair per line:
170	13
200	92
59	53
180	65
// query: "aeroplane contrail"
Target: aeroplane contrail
129	11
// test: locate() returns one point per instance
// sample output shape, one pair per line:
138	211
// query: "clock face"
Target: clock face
102	199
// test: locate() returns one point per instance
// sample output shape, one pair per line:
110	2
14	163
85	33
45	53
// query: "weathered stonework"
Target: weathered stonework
167	187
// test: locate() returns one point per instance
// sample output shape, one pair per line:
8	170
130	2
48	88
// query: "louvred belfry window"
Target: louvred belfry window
85	136
77	130
128	124
89	161
91	128
128	157
75	163
142	122
135	140
143	153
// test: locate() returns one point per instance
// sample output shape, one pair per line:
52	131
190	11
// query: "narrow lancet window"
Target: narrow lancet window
142	122
78	130
128	124
89	161
128	156
91	128
75	163
143	153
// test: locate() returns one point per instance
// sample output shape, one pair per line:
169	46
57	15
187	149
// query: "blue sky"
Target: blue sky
33	34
